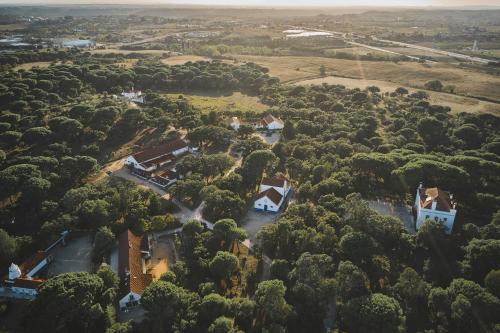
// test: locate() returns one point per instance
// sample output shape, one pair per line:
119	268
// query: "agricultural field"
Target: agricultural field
182	59
455	102
411	74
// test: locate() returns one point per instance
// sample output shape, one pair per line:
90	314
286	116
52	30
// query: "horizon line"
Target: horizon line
153	3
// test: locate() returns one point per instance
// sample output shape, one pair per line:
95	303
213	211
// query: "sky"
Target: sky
342	3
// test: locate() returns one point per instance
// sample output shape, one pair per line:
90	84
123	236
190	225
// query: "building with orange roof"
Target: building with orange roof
134	253
272	193
435	204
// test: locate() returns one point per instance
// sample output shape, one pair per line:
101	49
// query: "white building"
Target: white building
26	286
134	96
22	280
435	204
78	43
235	123
150	159
271	123
272	194
133	255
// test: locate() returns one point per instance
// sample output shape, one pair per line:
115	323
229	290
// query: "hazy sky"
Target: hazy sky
343	3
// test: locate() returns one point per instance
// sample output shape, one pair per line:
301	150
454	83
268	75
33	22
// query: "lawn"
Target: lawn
235	102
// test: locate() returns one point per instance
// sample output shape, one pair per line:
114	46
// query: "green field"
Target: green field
235	102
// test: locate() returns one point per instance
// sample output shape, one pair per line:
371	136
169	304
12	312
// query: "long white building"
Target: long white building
150	159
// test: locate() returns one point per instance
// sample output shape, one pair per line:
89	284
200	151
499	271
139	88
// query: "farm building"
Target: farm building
269	122
134	252
150	159
272	194
133	96
272	123
435	204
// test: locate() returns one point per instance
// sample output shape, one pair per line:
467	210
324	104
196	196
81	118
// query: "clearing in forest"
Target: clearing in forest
232	103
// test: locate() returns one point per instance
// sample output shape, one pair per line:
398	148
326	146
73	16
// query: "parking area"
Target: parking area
75	256
254	220
269	137
397	210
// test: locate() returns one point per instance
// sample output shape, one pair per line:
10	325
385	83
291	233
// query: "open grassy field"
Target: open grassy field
113	50
456	103
235	102
410	74
29	65
182	59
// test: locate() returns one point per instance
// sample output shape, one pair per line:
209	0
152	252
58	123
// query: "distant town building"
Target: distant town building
435	204
150	159
78	43
272	194
134	252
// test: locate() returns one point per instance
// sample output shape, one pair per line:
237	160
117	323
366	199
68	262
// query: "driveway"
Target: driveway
254	220
74	257
270	140
397	210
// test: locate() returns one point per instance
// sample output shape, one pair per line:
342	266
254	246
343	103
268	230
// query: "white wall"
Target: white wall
38	267
126	299
271	206
275	126
132	162
180	151
25	291
424	214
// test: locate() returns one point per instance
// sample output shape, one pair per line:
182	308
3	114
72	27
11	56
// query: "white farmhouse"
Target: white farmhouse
133	254
150	159
435	204
22	279
271	123
234	123
134	96
272	194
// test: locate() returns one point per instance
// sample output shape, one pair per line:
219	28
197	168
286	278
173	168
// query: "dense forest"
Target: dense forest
336	264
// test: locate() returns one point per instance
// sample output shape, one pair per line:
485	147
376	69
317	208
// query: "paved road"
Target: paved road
407	45
428	49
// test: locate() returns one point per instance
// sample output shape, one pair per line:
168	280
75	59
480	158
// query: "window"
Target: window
446	219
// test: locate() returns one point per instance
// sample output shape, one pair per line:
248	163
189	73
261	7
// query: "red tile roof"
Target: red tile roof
156	152
269	119
159	160
27	283
272	194
130	264
442	198
278	181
